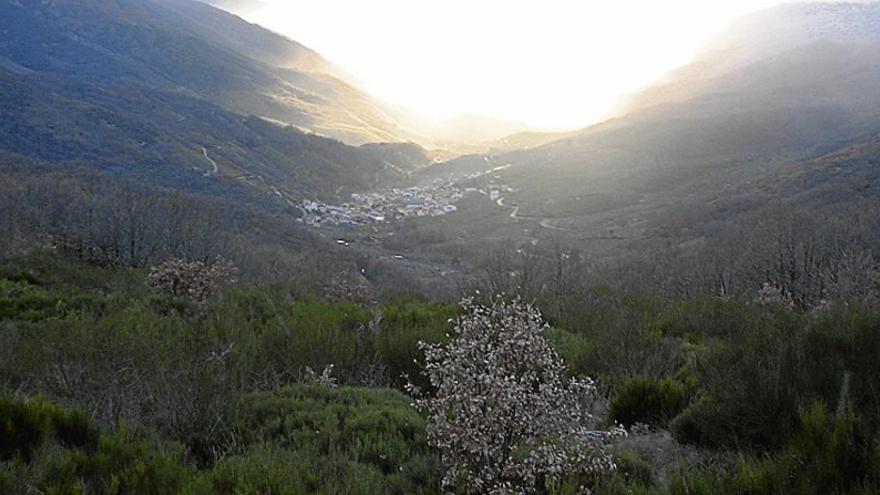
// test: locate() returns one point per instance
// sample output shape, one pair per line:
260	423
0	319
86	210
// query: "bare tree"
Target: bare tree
193	280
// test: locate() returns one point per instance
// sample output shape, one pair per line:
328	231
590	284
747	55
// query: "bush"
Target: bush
338	440
576	350
404	324
634	469
316	335
829	455
122	463
51	271
25	426
709	317
825	455
755	385
646	400
81	460
131	364
270	469
693	426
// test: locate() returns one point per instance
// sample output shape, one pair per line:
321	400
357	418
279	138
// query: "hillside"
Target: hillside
193	48
658	175
760	37
168	91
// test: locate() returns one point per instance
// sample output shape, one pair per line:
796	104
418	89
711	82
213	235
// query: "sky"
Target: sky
550	64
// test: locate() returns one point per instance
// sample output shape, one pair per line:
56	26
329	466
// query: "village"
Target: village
391	205
384	206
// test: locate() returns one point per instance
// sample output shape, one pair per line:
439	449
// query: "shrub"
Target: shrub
20	301
829	455
404	324
22	430
269	469
825	455
647	400
634	469
753	387
122	463
316	335
25	426
55	272
756	384
709	317
337	440
693	425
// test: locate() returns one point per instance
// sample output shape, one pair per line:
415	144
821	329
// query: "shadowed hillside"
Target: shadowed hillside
169	92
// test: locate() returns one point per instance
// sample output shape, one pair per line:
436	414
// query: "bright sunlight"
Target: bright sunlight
554	64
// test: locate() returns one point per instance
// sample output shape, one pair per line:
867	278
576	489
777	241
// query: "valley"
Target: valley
227	266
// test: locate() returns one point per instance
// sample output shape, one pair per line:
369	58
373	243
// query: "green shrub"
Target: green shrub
22	430
710	317
336	440
633	476
826	455
692	425
647	400
757	383
52	271
81	459
404	324
279	471
829	455
25	426
122	464
315	335
634	469
21	301
575	350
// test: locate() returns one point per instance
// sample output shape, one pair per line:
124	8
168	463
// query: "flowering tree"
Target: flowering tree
193	280
773	295
504	416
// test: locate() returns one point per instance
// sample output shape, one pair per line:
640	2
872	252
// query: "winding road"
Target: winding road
214	169
547	223
513	213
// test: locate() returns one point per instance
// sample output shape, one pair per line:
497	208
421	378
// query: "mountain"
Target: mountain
455	135
180	94
762	36
238	7
691	155
191	47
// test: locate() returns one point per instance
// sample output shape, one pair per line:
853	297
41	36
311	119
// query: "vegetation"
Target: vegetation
647	401
701	272
109	387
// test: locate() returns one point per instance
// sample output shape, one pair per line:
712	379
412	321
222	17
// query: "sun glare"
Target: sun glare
553	64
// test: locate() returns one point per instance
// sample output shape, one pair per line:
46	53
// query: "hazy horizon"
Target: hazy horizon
452	59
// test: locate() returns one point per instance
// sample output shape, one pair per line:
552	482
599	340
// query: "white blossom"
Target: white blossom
325	379
505	416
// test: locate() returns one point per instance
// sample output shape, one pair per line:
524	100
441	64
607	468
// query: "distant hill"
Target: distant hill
180	94
689	156
763	36
242	7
